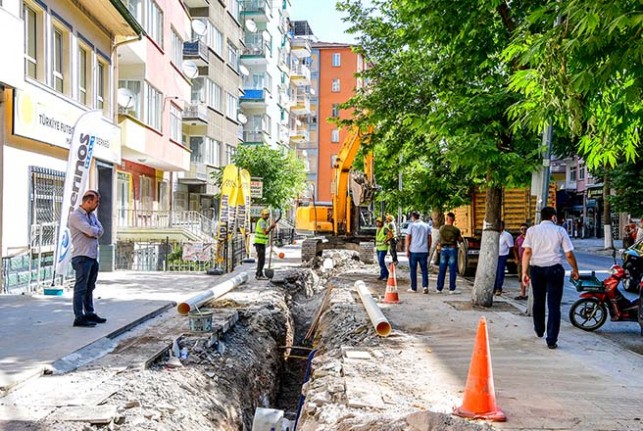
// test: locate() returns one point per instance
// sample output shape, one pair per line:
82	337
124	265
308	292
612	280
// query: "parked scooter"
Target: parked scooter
633	265
598	298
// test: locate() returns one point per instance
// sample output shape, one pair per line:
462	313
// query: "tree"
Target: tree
438	73
282	173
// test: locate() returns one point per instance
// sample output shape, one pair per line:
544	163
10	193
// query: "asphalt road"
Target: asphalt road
626	334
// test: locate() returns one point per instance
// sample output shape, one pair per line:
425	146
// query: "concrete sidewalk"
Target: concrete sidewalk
37	330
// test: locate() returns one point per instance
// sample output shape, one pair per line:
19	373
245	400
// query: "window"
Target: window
204	150
84	75
581	171
216	96
33	42
335	110
335	88
59	60
102	80
233	56
134	108
216	153
233	8
334	135
232	107
175	123
154	23
215	39
229	151
572	173
337	59
333	158
146	192
136	9
177	49
153	102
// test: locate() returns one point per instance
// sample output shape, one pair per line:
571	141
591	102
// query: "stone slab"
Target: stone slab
92	414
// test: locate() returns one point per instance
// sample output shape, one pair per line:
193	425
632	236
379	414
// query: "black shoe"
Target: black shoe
552	346
540	334
83	322
95	318
260	277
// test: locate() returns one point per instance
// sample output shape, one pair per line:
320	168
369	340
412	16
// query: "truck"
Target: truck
348	222
518	206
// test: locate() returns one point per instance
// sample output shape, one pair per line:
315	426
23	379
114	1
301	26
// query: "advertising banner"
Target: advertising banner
228	184
87	131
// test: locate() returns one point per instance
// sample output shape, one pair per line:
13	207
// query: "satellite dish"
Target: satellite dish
190	69
265	35
298	123
312	91
242	118
244	70
251	26
199	27
126	98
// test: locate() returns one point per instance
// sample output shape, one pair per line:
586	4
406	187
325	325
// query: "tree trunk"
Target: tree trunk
488	260
607	212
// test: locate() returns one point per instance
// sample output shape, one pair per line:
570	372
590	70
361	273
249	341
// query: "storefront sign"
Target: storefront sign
44	117
595	193
256	188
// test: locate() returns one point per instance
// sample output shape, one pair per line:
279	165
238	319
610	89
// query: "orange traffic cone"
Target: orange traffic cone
479	395
391	296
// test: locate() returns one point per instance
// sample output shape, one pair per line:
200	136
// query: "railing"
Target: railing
198	170
300	71
253	135
254	6
197	48
255	45
191	221
253	94
195	110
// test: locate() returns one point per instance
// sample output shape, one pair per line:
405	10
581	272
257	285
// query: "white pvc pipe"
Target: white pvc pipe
213	293
380	323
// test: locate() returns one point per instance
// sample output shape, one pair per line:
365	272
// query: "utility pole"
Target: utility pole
399	188
546	170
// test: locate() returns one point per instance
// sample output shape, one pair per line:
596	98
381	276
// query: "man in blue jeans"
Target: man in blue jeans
85	230
418	242
448	249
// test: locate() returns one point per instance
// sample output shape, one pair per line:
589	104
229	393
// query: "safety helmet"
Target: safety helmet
378	220
389	217
265	212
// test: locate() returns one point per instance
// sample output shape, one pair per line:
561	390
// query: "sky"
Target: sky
323	19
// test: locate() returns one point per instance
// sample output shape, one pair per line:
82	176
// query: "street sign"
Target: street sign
256	188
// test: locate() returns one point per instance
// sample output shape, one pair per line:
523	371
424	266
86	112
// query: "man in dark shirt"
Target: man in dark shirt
448	249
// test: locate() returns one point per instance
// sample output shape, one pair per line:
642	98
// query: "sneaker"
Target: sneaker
261	277
552	346
498	293
438	291
454	292
411	291
520	298
425	290
83	322
95	318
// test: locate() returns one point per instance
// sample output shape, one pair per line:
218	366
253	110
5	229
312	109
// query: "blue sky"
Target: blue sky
322	17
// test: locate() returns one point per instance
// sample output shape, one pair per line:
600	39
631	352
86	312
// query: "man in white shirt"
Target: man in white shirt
505	247
543	259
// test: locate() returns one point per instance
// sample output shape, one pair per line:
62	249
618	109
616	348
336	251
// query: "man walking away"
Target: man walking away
418	242
85	229
381	247
542	257
262	231
448	249
505	246
391	236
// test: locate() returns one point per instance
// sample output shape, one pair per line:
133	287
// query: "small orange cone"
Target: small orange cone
391	296
479	395
281	255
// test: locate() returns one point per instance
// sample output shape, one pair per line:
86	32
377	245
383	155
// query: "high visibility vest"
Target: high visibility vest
390	227
261	237
380	240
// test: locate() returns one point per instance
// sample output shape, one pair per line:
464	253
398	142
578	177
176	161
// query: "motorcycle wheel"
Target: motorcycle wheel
588	314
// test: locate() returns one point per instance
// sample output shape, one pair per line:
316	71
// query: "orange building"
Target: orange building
335	68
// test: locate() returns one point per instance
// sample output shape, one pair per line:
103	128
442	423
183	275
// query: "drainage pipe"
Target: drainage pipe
381	325
213	293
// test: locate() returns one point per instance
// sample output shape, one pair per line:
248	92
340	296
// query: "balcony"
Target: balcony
300	136
195	113
283	63
257	50
253	98
196	51
300	48
301	105
284	100
300	75
255	137
258	10
196	3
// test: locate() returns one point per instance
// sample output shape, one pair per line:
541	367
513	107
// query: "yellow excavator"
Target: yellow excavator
349	223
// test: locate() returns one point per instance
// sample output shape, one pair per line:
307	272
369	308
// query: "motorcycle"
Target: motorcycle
602	297
633	265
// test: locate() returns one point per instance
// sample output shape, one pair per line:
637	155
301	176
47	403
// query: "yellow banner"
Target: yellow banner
226	223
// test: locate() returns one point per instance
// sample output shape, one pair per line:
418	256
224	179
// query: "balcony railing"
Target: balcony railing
192	221
253	95
257	9
198	170
300	48
256	46
301	106
196	51
253	136
195	111
299	136
300	74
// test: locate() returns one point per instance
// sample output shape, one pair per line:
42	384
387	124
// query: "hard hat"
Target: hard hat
265	211
379	219
389	217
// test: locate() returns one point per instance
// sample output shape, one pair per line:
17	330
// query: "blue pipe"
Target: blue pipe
300	404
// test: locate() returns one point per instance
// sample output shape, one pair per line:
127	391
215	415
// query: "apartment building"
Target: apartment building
58	61
334	69
266	62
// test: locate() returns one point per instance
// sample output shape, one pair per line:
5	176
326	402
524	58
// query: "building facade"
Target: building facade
61	62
